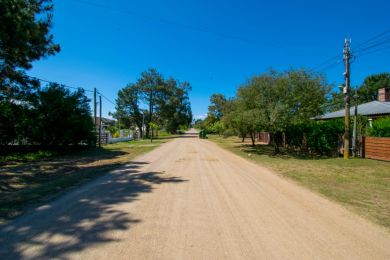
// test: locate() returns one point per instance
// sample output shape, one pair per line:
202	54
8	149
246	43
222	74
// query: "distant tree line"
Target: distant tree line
283	104
154	102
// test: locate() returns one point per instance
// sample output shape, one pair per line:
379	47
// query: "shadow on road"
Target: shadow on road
82	218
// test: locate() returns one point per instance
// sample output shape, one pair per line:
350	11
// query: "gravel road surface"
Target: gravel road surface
190	199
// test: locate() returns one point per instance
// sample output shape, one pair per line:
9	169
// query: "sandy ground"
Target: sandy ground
190	199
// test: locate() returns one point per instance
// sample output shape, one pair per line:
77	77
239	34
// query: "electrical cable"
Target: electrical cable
187	26
52	82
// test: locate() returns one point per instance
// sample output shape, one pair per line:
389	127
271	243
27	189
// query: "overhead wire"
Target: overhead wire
383	42
53	82
106	98
374	51
187	26
364	48
373	38
71	87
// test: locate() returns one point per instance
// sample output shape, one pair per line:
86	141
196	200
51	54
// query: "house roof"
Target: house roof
367	109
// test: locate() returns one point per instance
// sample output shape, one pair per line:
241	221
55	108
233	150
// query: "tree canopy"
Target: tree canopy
368	91
273	102
24	37
166	103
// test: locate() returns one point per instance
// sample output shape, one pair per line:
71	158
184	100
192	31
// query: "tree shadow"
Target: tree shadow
36	172
85	217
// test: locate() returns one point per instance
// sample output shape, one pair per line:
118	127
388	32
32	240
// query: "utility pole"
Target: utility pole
143	124
354	135
347	99
94	106
100	121
94	112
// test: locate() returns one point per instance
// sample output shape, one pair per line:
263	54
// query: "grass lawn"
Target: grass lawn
33	178
363	185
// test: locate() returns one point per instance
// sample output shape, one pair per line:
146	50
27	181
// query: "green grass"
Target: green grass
30	180
362	185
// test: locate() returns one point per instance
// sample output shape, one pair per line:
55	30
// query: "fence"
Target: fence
103	138
376	148
263	137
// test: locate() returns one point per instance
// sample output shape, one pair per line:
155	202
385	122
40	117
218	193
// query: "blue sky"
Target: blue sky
214	45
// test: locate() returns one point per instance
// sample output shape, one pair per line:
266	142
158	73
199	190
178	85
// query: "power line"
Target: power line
66	86
187	26
106	98
52	82
373	38
373	42
328	61
331	66
386	41
374	51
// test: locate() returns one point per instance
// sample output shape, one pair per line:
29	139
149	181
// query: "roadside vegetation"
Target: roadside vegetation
282	105
167	103
362	185
33	178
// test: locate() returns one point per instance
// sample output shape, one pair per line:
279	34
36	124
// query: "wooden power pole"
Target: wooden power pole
94	107
347	98
94	112
100	121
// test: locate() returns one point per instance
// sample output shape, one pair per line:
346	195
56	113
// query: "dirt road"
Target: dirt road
189	199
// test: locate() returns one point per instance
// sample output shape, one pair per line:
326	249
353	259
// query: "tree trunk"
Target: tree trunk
275	143
304	143
243	137
252	138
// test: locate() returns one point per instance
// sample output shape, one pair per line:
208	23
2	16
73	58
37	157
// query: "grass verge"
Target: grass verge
363	185
28	181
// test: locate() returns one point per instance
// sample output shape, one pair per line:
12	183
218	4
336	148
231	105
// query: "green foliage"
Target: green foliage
16	120
112	129
274	101
215	128
54	117
24	38
154	126
167	101
116	134
380	128
62	117
369	90
199	124
317	137
128	111
217	107
325	137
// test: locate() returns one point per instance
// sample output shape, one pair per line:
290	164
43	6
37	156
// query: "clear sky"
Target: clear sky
215	45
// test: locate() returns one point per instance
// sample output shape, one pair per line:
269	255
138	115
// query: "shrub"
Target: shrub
380	128
322	137
62	117
116	134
